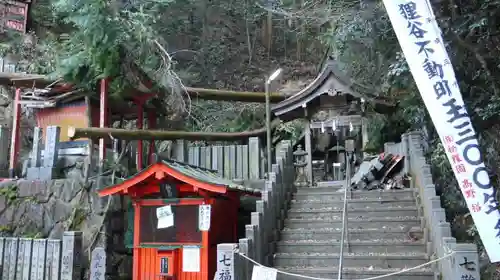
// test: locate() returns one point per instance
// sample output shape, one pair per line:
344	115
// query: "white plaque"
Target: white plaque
165	216
204	216
191	259
264	273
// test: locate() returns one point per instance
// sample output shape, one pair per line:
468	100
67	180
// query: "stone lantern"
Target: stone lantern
300	167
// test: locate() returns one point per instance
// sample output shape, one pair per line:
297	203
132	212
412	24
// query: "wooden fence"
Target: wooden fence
244	162
6	66
261	235
41	259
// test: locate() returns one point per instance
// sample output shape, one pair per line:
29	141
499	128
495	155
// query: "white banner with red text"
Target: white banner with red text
420	39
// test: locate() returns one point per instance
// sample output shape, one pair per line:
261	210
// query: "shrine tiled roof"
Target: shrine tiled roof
207	176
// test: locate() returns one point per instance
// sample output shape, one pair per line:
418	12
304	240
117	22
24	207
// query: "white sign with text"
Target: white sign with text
420	39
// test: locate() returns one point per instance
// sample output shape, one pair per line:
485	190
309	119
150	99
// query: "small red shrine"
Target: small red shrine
181	213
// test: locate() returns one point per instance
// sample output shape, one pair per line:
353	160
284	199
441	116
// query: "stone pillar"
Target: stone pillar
406	153
50	153
307	128
464	262
364	134
33	172
226	260
36	152
4	148
180	150
72	250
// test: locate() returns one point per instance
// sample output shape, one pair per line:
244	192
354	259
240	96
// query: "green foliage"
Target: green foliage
106	37
9	192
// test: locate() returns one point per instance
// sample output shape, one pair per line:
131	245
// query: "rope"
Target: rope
371	278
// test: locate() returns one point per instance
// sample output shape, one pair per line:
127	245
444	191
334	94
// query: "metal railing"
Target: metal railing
349	148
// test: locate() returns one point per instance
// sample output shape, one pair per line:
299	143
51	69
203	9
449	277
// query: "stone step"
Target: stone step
339	195
375	232
352	203
330	184
353	222
354	246
330	212
395	260
354	273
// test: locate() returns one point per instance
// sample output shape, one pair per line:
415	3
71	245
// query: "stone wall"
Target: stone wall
46	209
440	243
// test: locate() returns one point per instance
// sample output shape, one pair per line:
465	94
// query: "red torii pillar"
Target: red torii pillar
140	100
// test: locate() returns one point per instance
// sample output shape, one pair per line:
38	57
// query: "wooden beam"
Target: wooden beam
139	134
229	95
41	81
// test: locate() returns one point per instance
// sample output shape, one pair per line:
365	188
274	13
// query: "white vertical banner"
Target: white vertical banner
420	39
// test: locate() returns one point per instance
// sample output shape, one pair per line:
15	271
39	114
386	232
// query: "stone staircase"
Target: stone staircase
385	235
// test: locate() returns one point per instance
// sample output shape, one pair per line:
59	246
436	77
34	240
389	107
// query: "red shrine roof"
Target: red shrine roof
197	177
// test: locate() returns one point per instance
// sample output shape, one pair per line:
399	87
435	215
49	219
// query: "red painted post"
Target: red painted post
151	125
16	125
103	120
140	121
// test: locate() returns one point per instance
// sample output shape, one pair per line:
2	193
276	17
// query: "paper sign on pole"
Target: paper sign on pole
204	217
165	216
264	273
420	39
191	259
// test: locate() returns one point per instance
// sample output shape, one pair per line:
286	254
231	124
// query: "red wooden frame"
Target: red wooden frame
147	255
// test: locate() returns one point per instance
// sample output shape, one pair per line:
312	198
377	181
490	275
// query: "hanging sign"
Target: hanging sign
191	259
165	216
204	217
13	16
264	273
420	39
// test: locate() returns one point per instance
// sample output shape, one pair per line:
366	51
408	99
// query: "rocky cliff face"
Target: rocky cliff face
47	209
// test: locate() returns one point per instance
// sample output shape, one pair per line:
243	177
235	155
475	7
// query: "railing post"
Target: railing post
349	147
225	260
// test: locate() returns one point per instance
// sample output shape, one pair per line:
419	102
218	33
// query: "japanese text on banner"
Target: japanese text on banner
423	47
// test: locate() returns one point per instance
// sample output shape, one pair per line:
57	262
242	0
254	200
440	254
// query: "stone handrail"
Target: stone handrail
464	263
262	234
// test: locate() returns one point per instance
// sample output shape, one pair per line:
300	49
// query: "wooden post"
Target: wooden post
15	145
307	128
72	252
140	121
151	125
103	121
89	164
98	264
